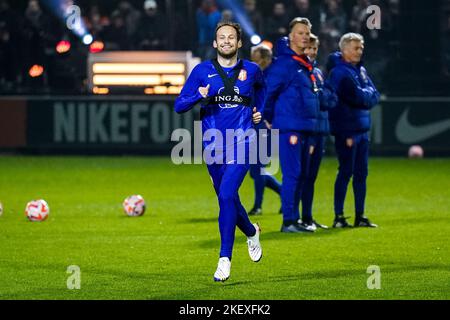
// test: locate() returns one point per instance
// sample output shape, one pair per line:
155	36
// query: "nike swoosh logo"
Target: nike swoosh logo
212	75
408	133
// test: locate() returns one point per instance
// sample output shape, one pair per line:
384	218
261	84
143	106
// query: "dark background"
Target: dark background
409	57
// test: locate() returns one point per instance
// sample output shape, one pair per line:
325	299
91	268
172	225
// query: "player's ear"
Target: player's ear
240	44
215	44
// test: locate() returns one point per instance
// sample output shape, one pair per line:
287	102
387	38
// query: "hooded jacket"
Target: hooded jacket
291	101
357	96
328	100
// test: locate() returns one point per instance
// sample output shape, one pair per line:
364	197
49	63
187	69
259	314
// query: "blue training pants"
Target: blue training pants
227	179
261	182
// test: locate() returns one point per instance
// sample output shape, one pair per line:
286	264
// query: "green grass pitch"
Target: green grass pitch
171	252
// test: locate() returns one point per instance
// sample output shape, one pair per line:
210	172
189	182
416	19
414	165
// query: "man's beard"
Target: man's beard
230	55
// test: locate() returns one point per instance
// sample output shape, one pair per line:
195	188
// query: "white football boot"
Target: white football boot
223	270
254	246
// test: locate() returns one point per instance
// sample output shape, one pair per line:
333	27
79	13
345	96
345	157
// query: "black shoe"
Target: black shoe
320	226
295	228
255	212
364	222
341	222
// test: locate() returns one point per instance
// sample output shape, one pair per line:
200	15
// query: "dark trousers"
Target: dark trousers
294	160
261	182
353	163
308	189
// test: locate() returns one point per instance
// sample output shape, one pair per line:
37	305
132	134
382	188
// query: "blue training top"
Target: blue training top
234	116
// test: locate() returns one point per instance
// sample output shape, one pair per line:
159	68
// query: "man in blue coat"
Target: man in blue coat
292	106
350	123
328	100
262	55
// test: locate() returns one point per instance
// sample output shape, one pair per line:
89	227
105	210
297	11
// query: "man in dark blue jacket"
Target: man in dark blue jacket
262	55
328	100
350	123
292	106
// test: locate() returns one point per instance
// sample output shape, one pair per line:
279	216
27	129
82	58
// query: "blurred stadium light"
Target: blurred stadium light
63	46
98	90
68	12
96	47
156	72
36	71
242	19
267	44
255	39
87	39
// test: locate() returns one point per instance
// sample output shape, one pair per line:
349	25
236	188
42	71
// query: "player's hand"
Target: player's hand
350	142
204	91
268	125
257	116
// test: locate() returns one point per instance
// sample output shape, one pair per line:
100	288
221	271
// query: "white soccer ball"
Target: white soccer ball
37	210
416	152
134	206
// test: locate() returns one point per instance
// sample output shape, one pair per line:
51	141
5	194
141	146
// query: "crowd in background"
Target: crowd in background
29	31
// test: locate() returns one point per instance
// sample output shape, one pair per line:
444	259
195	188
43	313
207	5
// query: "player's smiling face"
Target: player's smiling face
227	43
